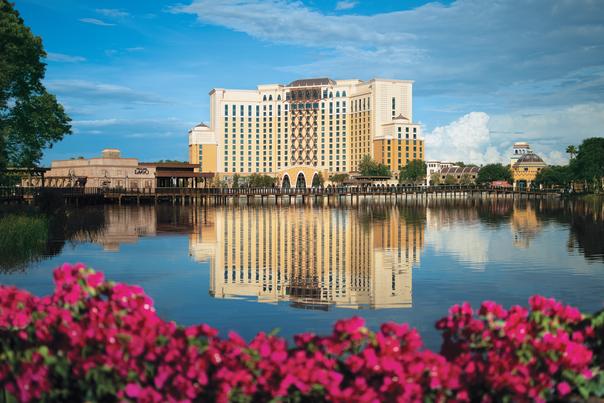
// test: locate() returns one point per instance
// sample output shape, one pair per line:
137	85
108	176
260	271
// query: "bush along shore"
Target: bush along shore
95	340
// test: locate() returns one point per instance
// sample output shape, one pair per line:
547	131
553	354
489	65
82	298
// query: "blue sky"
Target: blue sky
136	75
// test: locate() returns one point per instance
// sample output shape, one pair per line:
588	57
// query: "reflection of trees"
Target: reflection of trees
587	228
63	225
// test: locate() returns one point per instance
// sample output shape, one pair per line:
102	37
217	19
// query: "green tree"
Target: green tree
236	178
261	181
450	180
338	178
414	171
317	180
571	150
553	176
369	167
588	165
466	179
31	119
434	178
494	172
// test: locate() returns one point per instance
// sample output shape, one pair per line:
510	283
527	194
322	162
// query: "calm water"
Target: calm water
299	268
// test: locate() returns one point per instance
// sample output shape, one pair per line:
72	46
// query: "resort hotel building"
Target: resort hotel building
307	128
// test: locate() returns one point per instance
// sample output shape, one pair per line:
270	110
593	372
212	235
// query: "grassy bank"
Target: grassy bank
22	239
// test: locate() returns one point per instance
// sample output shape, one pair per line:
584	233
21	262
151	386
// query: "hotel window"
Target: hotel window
226	109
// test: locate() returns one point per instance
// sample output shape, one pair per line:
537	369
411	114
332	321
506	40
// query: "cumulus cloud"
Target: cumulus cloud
95	21
345	5
466	139
60	57
480	138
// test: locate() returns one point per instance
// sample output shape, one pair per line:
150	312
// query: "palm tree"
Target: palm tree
572	150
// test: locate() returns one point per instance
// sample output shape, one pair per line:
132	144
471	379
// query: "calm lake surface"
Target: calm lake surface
300	268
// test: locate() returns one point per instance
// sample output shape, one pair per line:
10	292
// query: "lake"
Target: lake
300	268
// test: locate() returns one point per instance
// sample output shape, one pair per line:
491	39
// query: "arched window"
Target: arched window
279	97
337	94
330	94
264	98
270	97
344	93
307	94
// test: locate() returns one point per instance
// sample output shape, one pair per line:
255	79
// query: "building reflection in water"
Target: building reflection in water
525	226
312	257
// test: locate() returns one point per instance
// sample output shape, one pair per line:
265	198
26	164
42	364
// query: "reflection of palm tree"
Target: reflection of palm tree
572	150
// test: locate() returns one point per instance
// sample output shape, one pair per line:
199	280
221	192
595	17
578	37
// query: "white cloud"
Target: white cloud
481	138
60	57
112	12
95	21
135	49
345	5
465	47
91	92
466	139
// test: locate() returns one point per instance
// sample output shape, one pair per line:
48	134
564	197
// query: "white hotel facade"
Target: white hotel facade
308	126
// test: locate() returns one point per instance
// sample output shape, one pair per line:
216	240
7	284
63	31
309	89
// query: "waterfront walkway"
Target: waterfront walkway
266	195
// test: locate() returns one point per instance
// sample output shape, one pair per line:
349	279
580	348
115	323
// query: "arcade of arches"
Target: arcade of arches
300	177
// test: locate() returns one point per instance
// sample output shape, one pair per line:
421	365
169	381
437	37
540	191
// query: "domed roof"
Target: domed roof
528	158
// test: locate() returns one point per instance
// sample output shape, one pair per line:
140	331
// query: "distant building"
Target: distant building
519	149
434	167
525	170
111	170
461	175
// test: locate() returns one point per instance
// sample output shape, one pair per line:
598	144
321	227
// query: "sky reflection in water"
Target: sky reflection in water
300	268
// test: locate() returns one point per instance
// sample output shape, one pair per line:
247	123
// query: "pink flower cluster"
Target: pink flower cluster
524	355
97	340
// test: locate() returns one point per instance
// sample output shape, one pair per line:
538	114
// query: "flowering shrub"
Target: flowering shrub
96	340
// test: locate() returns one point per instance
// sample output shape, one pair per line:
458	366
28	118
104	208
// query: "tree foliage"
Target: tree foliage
338	178
434	179
369	167
553	176
466	179
317	180
414	172
450	180
31	119
261	181
588	165
494	172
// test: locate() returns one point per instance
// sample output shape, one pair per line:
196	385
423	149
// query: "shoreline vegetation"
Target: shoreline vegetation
29	233
96	340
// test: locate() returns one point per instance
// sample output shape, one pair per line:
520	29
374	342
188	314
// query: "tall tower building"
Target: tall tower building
308	127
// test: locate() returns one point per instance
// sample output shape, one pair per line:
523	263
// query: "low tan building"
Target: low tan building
455	175
525	170
110	170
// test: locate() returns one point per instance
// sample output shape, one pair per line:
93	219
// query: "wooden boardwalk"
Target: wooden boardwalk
218	196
